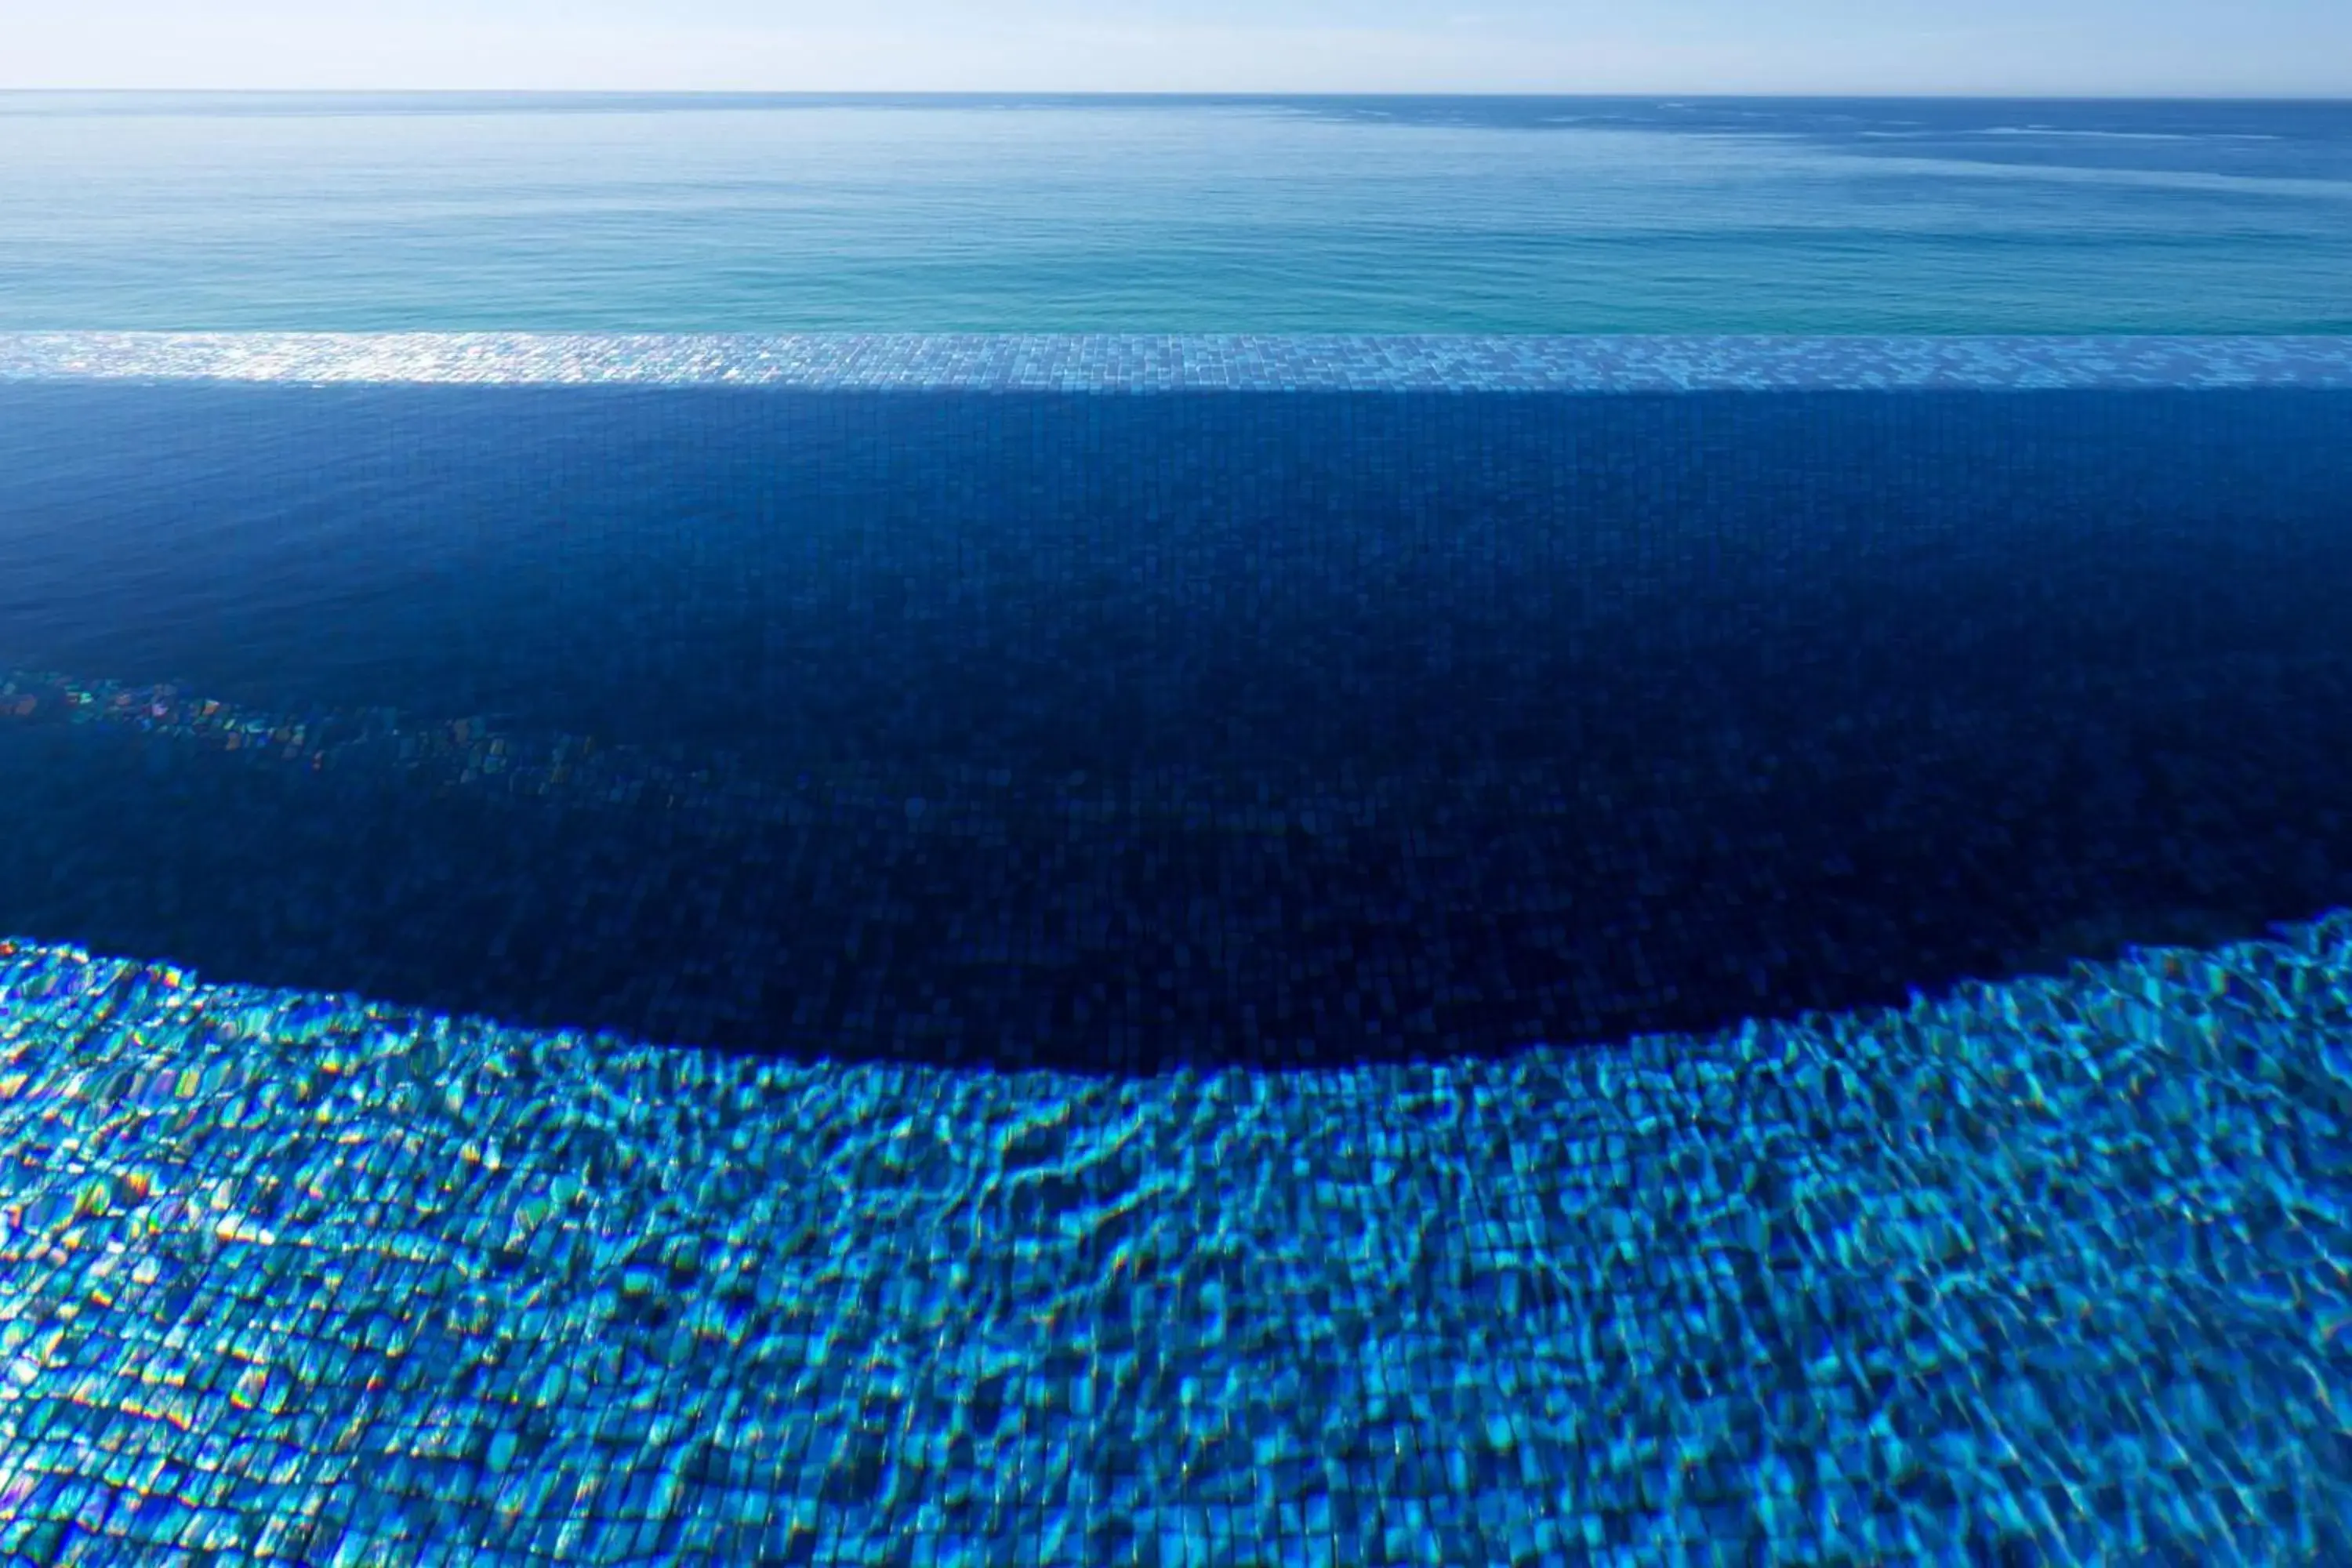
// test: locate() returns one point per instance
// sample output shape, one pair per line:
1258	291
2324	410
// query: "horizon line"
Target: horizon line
1969	96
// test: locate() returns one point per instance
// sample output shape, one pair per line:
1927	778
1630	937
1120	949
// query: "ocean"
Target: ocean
1041	831
1024	214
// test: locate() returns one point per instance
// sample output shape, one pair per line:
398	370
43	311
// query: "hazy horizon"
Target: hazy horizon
1711	49
1205	95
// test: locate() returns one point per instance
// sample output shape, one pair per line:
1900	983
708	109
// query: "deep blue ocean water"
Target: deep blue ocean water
1024	214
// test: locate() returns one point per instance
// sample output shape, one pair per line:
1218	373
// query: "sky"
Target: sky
1993	47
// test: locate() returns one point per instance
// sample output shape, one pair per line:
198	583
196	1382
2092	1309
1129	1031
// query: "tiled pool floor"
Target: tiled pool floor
2055	1271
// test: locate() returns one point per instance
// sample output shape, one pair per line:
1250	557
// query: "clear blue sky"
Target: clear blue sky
2095	48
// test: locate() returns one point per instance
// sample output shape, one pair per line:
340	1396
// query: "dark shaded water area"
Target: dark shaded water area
1113	733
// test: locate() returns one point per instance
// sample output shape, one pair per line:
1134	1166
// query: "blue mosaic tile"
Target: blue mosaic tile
1994	1332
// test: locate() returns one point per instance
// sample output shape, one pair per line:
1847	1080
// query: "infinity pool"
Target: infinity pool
931	950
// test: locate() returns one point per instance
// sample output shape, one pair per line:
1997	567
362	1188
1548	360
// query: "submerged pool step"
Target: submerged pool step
314	1277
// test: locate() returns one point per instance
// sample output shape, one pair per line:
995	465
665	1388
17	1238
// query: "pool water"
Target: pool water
1175	951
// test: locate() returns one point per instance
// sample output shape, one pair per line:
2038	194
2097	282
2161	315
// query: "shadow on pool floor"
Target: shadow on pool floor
1274	923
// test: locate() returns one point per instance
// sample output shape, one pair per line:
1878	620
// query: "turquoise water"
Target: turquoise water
1030	214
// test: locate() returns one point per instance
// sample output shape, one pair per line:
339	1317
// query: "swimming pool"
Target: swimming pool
1221	950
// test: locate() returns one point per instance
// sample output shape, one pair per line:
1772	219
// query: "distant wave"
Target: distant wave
2113	135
